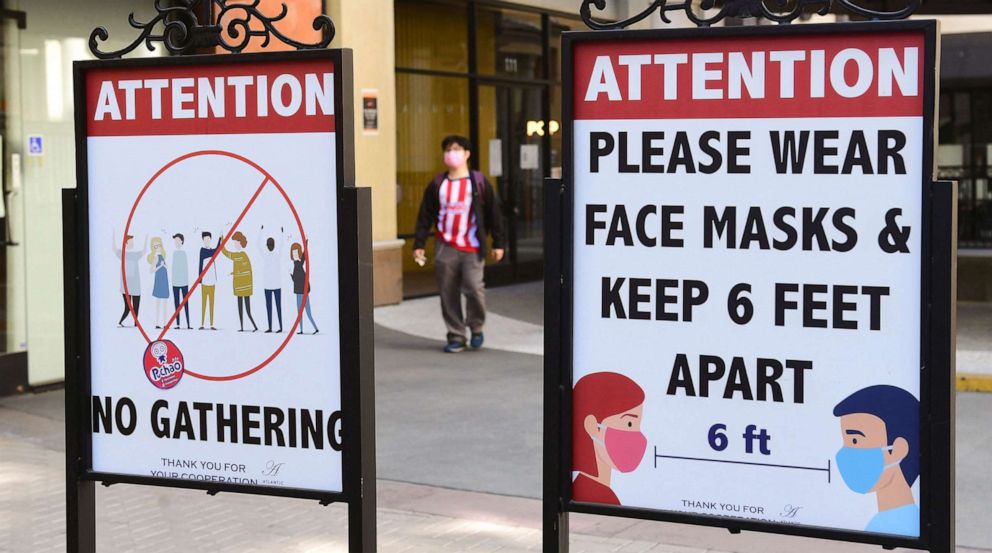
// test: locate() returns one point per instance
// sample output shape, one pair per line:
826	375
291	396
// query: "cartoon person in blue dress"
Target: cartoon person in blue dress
880	426
160	291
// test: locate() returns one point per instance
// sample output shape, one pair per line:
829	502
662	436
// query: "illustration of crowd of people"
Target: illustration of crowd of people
171	274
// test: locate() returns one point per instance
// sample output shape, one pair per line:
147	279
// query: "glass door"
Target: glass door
512	154
40	41
13	304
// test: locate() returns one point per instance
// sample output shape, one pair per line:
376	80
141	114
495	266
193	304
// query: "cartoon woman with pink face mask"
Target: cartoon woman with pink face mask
606	433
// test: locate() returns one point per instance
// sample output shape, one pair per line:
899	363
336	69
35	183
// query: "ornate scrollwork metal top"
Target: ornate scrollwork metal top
705	13
182	31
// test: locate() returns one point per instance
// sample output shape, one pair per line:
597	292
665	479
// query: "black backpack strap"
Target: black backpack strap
439	178
480	179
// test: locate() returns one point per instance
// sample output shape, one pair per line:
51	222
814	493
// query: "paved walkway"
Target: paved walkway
513	323
134	519
412	518
975	338
445	485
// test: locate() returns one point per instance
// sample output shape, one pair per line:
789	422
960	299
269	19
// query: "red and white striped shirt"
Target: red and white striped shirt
456	219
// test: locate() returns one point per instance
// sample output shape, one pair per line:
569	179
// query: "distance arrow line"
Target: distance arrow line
751	463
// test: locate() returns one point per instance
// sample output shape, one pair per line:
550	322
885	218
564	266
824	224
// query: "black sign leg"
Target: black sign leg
555	518
80	516
358	368
942	381
80	495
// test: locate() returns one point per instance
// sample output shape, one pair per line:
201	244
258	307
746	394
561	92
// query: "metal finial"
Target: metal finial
704	13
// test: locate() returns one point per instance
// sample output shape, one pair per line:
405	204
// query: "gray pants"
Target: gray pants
460	273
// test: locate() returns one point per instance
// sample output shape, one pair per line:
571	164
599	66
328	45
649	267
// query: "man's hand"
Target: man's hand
419	252
497	254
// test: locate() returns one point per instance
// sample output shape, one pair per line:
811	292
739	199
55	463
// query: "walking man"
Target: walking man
463	208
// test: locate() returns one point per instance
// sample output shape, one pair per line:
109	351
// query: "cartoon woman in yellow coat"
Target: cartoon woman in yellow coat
242	277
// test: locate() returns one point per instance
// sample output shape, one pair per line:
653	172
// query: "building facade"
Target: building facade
487	69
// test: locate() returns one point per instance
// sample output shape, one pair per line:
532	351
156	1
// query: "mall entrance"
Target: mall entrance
489	71
512	152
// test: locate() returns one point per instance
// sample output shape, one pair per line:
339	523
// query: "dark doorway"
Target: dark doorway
512	154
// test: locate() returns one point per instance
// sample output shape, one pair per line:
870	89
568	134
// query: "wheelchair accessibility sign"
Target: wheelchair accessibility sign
36	145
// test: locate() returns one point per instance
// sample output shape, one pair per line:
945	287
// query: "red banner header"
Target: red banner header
236	98
823	75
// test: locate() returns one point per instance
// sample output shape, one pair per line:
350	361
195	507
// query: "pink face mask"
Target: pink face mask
454	159
625	448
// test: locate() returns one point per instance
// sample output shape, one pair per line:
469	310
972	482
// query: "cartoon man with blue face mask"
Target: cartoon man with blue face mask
880	426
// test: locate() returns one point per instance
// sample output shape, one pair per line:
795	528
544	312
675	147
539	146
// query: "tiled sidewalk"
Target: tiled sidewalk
137	519
412	518
417	446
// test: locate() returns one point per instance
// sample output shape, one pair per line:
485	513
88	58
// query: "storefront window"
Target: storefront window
555	128
557	27
432	35
428	108
964	154
509	44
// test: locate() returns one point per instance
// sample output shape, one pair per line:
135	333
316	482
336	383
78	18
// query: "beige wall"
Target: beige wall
366	26
953	24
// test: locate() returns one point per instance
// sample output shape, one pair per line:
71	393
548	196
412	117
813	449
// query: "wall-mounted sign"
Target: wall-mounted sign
495	157
530	156
756	278
370	111
36	145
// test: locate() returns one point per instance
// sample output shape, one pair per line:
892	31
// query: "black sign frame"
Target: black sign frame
938	311
355	320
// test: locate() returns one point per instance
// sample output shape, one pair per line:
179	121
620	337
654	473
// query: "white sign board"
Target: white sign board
495	157
530	156
747	277
213	272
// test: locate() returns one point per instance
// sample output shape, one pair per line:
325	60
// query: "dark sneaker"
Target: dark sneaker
476	341
454	347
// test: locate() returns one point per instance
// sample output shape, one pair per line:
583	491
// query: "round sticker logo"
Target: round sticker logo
163	364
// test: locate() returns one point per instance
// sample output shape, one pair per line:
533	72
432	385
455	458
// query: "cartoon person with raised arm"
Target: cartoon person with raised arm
180	278
880	427
271	255
208	285
242	277
607	408
131	274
